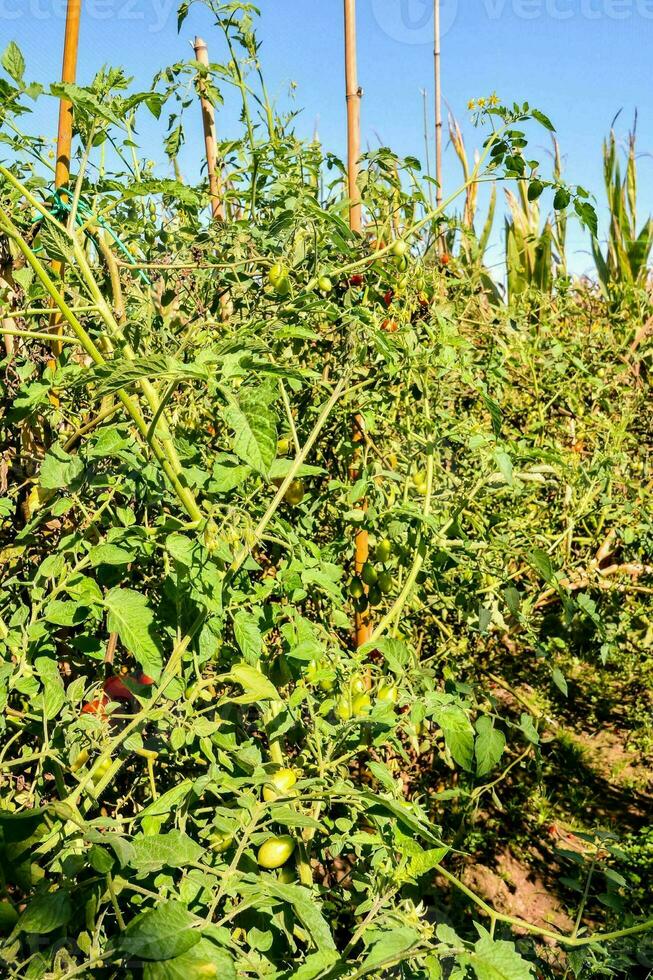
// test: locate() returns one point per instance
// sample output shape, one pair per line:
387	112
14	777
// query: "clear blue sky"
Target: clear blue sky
579	60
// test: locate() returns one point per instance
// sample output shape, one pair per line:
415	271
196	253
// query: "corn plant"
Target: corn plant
625	261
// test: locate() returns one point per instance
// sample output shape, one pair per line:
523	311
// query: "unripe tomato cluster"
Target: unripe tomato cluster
375	580
358	701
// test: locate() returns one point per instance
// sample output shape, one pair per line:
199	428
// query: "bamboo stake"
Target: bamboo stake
208	123
65	130
437	55
353	96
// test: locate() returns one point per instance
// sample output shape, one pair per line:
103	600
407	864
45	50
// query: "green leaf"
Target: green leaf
306	910
45	913
130	616
544	120
558	679
110	554
255	429
256	686
504	463
389	948
120	374
489	746
542	563
498	961
395	652
204	959
172	850
59	470
421	864
227	476
316	965
167	800
561	199
535	190
528	728
248	636
161	933
54	695
65	612
458	733
180	547
13	61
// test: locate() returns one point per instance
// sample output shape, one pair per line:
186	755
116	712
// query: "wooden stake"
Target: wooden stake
353	95
208	122
68	74
65	131
438	104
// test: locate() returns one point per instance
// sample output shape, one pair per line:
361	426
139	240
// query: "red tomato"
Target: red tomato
357	279
118	690
390	326
95	707
445	258
388	297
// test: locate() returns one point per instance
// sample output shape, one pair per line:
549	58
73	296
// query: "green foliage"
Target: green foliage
152	524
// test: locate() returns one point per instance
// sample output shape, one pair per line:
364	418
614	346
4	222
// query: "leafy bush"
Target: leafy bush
201	776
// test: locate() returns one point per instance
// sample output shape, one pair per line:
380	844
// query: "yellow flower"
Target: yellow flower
494	99
471	104
482	103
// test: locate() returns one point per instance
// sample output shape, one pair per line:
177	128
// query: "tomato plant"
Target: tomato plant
201	774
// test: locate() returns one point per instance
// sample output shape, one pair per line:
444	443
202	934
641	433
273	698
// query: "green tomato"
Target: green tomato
275	851
361	705
356	588
357	684
283	780
388	694
283	446
324	284
327	684
369	574
399	248
383	551
221	842
419	478
277	273
100	771
343	709
385	583
361	605
374	595
295	493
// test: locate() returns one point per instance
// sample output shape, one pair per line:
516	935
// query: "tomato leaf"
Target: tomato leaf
45	913
498	961
129	615
489	745
161	933
204	959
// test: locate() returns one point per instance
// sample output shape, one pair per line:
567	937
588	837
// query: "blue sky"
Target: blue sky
579	60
